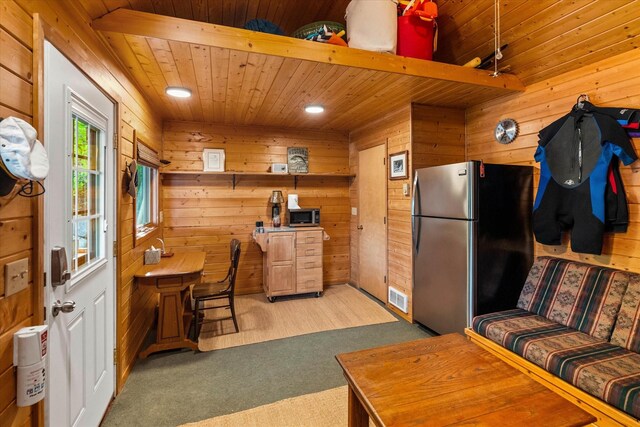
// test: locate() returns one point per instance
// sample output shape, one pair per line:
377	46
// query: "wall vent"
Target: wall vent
398	299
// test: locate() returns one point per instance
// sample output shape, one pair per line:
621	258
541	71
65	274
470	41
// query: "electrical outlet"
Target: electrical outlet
354	211
16	276
161	215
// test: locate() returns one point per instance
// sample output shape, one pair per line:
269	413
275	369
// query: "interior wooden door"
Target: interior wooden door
372	227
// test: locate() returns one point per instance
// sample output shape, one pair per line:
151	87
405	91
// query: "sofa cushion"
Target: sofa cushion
595	366
581	296
626	333
604	370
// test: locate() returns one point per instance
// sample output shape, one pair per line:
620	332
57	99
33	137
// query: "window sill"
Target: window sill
144	235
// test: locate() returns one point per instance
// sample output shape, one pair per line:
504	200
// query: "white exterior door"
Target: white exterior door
79	212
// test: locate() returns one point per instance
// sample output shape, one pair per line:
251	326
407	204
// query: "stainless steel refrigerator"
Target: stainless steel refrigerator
472	241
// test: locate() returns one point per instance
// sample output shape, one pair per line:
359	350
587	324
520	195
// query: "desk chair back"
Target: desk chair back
223	289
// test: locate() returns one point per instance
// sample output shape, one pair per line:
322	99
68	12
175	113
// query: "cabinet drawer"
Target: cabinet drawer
305	263
308	237
314	249
309	279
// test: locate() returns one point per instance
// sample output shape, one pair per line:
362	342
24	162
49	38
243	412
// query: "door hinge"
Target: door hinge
44	313
384	220
115	356
44	279
385	278
384	161
115	140
115	248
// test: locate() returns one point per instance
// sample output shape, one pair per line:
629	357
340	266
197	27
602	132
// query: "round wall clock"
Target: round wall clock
506	131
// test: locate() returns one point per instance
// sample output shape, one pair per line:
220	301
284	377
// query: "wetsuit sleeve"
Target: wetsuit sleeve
613	133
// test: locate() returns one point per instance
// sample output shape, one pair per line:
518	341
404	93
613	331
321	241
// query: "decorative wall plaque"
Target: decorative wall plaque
298	159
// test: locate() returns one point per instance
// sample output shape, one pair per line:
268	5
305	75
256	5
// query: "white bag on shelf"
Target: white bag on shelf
372	25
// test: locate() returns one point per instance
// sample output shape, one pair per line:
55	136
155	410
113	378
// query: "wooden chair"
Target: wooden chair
224	289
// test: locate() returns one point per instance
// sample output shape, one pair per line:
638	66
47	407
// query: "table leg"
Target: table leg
358	416
174	318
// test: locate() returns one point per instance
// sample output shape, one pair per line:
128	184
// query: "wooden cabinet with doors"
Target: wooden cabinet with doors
292	261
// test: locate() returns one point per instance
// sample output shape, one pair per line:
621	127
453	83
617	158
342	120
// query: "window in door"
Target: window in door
146	200
87	195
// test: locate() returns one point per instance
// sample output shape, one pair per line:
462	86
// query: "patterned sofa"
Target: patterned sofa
580	323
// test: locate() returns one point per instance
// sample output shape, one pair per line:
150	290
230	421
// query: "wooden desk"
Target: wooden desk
171	278
448	380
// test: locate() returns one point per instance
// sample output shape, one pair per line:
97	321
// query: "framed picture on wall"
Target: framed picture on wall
213	159
398	165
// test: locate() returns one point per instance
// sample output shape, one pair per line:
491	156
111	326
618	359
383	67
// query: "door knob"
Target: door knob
360	227
65	307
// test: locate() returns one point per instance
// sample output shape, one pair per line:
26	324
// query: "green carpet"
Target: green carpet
170	389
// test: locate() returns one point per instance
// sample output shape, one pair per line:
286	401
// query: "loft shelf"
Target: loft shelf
241	77
242	173
184	172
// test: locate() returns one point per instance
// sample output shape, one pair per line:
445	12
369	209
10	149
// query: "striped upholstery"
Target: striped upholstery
580	296
595	366
626	333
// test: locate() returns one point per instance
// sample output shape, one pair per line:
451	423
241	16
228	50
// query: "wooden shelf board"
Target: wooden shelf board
149	25
242	77
183	172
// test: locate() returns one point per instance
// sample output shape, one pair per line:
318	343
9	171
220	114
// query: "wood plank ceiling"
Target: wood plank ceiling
545	37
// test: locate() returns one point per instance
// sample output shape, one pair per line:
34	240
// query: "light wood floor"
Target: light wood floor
340	307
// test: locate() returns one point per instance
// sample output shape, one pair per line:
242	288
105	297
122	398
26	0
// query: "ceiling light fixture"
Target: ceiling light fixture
314	109
178	92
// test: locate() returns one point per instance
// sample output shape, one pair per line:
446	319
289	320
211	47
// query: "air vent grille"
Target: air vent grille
398	299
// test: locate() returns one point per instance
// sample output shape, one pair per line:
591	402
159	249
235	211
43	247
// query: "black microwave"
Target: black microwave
304	217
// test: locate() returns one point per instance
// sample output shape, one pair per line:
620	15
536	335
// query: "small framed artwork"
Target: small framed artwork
298	159
213	159
398	165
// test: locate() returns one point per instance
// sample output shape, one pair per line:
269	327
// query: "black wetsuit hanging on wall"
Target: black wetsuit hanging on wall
575	154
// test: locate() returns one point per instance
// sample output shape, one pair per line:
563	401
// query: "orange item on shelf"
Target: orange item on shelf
337	39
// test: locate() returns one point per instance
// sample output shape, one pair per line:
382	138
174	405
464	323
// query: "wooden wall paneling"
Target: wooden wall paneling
18	23
545	38
19	58
611	82
394	131
16	92
288	14
433	136
204	211
17	216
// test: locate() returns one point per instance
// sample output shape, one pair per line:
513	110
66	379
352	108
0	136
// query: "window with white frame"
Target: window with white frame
87	221
146	201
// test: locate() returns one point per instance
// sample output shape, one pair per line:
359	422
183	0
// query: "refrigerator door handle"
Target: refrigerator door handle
416	195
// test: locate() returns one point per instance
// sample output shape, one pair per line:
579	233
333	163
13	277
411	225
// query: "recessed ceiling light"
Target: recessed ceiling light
178	92
314	109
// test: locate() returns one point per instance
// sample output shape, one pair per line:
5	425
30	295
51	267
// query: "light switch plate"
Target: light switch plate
405	189
16	276
354	211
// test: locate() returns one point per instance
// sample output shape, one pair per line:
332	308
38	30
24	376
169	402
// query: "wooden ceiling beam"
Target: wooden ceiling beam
175	29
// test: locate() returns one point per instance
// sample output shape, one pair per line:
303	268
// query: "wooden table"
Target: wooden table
171	278
448	380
